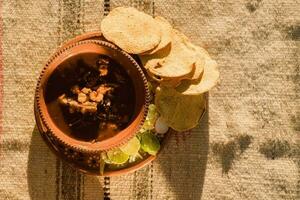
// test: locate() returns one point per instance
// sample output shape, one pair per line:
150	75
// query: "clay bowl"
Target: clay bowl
88	51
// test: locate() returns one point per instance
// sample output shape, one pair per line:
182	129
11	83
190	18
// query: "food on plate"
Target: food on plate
173	61
173	82
170	82
132	147
117	156
150	118
100	101
149	142
166	37
180	73
199	65
201	55
207	81
145	143
179	111
132	30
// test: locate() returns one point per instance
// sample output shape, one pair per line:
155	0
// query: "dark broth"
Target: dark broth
115	110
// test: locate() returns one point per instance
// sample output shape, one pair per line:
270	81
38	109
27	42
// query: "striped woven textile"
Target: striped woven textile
246	147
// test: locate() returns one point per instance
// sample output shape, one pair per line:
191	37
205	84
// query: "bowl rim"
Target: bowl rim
123	136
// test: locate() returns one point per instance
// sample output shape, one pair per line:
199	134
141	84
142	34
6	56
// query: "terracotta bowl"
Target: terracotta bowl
88	50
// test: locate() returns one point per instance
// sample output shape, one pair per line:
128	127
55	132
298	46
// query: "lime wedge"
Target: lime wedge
149	143
116	156
132	147
151	117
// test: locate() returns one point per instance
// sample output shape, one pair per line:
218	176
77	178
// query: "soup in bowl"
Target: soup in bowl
92	96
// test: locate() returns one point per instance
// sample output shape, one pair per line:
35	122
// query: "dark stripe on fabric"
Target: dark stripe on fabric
151	181
69	181
145	5
153	8
71	19
106	188
57	182
106	7
79	186
141	181
82	187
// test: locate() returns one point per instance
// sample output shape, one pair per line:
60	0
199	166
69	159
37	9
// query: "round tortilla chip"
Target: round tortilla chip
180	112
174	82
131	30
173	61
201	54
199	66
207	81
155	78
166	37
154	59
171	82
198	49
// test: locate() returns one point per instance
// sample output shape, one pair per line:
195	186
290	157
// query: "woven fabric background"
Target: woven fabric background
246	147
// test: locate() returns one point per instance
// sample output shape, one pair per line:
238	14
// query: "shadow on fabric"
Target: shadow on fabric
51	179
184	160
41	169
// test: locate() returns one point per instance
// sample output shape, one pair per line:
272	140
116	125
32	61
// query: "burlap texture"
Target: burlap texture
247	145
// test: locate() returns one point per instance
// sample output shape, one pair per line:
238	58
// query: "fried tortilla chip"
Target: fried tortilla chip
154	59
195	74
166	37
173	61
131	30
201	54
198	49
171	82
207	81
174	82
180	112
199	66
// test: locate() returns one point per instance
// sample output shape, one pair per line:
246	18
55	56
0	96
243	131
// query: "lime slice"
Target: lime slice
151	118
132	147
116	156
149	143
